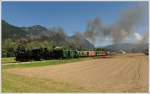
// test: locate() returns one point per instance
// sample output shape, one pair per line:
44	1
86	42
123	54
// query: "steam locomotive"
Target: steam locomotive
45	54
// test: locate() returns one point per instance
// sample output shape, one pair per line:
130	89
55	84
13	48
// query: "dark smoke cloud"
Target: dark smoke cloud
119	31
96	30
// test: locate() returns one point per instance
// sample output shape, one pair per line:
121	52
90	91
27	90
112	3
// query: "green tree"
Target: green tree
8	48
39	44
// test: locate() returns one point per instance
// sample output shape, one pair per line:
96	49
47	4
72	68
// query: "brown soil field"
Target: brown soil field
120	73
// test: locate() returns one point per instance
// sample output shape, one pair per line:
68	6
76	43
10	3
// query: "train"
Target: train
39	54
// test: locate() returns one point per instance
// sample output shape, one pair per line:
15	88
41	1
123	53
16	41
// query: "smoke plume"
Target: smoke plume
119	31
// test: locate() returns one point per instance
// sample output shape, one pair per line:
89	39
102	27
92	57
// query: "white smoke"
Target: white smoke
138	37
119	32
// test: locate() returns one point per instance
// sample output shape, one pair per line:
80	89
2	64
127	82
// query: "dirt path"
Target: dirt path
123	73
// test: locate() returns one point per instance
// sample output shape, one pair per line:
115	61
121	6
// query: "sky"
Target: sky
71	16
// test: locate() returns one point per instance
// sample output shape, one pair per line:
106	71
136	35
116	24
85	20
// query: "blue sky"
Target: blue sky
72	16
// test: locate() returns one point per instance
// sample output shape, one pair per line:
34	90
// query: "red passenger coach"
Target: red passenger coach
92	53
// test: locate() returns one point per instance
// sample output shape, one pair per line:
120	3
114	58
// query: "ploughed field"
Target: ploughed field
120	73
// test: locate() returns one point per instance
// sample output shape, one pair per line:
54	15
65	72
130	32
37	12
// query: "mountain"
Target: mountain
37	32
128	47
35	28
12	32
79	40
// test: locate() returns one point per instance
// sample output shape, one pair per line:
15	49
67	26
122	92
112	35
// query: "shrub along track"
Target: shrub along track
122	73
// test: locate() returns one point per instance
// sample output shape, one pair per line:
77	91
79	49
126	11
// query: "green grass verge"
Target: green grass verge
8	59
43	63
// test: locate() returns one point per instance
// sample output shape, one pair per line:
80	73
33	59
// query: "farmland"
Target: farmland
119	73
